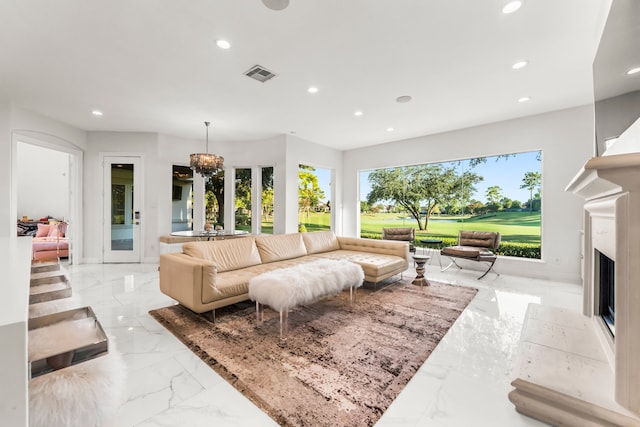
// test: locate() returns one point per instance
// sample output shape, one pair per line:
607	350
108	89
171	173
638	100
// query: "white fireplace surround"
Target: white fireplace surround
611	187
570	371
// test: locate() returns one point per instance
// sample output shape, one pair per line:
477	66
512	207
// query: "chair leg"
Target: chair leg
210	315
489	269
453	262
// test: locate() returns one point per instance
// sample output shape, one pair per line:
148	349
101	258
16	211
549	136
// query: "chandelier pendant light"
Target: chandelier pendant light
206	164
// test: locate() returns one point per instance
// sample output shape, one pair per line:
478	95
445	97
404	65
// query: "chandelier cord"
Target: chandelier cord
207	145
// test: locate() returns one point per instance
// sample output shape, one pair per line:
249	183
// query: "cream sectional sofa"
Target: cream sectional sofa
213	274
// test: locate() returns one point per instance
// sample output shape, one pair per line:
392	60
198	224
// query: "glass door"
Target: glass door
122	215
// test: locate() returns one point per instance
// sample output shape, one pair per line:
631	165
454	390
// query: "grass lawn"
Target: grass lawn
523	227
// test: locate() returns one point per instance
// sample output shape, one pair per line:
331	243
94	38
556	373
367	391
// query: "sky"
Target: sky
505	173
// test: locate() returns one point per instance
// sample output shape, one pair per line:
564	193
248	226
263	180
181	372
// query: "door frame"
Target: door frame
136	255
76	162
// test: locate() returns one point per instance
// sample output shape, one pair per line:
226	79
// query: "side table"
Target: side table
420	261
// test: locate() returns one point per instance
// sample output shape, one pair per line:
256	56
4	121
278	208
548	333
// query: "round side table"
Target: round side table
420	261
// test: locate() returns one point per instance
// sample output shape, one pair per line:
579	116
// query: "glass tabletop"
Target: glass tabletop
212	233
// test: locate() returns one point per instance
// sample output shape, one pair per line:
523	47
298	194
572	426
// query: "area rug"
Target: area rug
341	364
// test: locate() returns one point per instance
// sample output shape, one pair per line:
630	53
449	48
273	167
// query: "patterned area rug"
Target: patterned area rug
341	364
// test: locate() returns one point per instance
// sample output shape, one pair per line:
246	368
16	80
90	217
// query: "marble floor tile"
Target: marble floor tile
464	382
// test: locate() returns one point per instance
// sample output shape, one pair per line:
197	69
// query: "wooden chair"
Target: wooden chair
474	246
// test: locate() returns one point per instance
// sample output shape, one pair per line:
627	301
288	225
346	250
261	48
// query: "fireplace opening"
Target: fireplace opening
606	280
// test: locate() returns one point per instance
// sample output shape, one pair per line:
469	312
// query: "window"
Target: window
499	193
214	199
267	200
314	207
181	198
243	199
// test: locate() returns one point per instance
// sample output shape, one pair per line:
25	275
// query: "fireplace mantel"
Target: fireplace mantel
607	175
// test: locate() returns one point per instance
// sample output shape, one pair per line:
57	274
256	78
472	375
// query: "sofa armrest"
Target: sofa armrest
388	247
183	278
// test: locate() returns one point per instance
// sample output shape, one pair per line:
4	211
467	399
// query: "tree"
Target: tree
530	182
214	198
267	203
309	191
424	185
506	203
494	194
214	191
476	207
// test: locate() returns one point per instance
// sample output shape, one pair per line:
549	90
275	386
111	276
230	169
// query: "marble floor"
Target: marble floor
463	383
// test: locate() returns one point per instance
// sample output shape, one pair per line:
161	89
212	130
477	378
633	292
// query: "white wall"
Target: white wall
42	182
7	190
566	139
122	144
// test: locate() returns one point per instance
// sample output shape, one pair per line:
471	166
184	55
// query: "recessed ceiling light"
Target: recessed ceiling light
511	7
358	113
520	64
633	71
312	89
524	99
390	129
403	99
223	44
96	113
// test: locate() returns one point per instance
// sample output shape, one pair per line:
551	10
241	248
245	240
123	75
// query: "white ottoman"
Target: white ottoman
286	288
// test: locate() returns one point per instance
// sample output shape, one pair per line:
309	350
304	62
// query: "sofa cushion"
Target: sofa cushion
321	241
49	244
230	254
279	247
43	230
462	251
373	264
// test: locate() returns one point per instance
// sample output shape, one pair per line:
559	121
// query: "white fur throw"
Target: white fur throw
289	287
84	395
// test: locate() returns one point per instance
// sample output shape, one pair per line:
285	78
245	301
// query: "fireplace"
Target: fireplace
577	369
606	291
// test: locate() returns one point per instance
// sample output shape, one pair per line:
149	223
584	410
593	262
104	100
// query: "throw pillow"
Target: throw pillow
43	230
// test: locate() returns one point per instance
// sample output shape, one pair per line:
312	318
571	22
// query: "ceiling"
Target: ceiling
153	65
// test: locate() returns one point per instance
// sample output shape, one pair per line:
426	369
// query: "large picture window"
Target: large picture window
499	193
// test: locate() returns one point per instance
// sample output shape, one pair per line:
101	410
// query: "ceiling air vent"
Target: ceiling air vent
259	73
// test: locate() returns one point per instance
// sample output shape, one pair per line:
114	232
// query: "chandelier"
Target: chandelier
206	164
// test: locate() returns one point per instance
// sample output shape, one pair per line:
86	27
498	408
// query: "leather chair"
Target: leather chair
474	246
405	234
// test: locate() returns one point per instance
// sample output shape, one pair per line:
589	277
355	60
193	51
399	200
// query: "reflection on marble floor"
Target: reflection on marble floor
463	383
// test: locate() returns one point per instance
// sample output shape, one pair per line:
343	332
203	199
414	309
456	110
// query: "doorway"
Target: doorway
122	209
48	176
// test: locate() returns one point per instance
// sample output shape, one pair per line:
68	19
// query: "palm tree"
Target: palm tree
530	182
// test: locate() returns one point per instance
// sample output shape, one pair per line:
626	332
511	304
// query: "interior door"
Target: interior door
122	215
